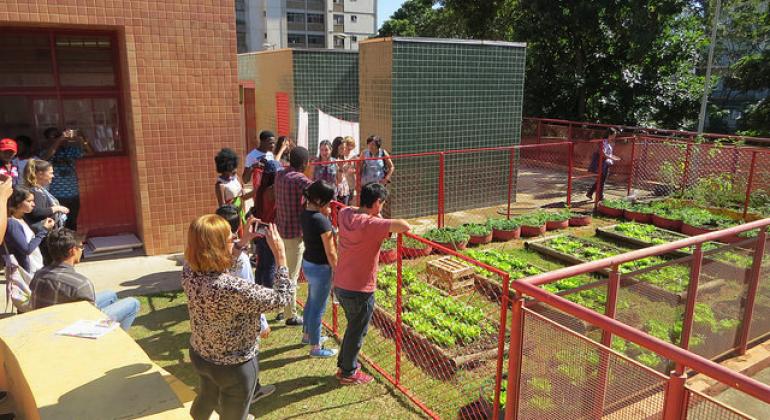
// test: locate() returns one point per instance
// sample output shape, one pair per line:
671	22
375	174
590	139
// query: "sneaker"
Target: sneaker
279	317
306	341
358	378
294	321
263	392
322	352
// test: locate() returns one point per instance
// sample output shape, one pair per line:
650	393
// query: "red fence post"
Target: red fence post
501	344
631	168
569	132
748	185
692	296
571	163
686	166
440	221
511	159
514	359
673	403
359	170
756	269
399	291
613	285
539	130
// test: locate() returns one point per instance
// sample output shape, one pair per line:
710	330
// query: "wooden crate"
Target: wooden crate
450	274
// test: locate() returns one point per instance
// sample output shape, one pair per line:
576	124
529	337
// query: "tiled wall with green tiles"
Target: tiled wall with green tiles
247	67
450	96
325	80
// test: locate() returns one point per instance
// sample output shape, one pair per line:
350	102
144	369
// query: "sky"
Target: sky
385	8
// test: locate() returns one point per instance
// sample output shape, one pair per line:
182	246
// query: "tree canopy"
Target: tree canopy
621	61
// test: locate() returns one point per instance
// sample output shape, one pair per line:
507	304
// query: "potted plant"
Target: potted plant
613	207
479	233
448	237
533	224
580	218
666	216
413	248
638	212
557	220
505	229
388	251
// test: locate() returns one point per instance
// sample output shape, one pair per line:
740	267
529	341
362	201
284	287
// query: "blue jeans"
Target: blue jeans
123	311
265	271
319	281
358	307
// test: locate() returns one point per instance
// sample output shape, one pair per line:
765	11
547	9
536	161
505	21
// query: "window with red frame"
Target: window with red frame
64	79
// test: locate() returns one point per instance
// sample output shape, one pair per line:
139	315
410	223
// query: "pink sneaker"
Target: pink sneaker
358	378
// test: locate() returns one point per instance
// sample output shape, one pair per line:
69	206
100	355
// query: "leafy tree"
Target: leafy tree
622	61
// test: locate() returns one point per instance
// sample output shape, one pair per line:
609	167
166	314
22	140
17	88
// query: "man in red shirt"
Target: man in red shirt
361	232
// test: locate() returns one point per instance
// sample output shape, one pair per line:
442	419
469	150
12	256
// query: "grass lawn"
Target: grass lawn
305	387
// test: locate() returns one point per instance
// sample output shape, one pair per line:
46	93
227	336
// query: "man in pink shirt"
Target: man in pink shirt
361	232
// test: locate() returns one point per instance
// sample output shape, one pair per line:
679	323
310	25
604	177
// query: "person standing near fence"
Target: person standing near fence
361	233
289	187
376	170
605	148
318	262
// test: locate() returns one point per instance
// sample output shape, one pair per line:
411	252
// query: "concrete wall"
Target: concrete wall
180	94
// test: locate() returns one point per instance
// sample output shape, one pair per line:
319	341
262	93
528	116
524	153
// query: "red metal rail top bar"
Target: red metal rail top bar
591	266
451	152
661	130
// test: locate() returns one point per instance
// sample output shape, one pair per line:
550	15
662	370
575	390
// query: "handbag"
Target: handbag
17	289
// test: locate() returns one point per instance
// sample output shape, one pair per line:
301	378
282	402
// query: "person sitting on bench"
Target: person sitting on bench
60	283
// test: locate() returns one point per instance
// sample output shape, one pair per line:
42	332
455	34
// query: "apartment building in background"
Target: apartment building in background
275	24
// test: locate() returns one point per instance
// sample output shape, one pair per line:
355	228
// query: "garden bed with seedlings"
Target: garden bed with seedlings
653	276
720	261
439	333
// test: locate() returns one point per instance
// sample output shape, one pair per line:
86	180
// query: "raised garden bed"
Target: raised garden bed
479	234
557	220
439	333
613	208
718	264
578	219
455	239
651	276
505	229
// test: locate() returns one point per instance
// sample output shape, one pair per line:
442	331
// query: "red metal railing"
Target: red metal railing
675	391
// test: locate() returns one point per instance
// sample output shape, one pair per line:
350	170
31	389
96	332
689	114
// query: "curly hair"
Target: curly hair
226	161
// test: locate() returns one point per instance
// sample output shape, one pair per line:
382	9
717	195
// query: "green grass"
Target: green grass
305	386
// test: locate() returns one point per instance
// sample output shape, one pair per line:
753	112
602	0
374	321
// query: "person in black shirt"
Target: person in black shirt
318	262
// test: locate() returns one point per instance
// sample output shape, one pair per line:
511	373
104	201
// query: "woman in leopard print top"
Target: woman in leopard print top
224	317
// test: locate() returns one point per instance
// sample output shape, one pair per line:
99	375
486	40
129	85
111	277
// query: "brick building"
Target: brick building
153	86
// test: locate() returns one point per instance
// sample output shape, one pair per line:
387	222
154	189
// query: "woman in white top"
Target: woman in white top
20	240
228	187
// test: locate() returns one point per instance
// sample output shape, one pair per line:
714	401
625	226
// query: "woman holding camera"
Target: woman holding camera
63	151
224	317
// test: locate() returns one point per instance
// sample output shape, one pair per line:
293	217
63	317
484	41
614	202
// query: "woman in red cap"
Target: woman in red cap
8	150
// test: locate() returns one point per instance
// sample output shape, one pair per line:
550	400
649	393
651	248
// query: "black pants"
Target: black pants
358	307
226	388
605	174
73	204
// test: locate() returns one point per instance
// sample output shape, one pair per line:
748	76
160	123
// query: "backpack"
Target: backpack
263	180
17	289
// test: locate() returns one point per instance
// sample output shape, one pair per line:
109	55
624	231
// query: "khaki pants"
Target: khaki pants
294	250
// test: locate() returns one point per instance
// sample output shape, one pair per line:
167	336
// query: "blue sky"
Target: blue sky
385	8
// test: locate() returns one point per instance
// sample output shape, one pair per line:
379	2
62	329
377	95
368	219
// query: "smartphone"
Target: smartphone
261	229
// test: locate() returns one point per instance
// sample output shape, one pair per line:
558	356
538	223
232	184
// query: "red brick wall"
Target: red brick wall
181	100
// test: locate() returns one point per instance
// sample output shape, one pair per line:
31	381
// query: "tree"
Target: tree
620	61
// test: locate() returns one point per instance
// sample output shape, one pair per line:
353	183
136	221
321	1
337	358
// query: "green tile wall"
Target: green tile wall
448	96
325	80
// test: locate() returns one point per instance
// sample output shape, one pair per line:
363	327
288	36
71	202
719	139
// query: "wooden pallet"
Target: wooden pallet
452	275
